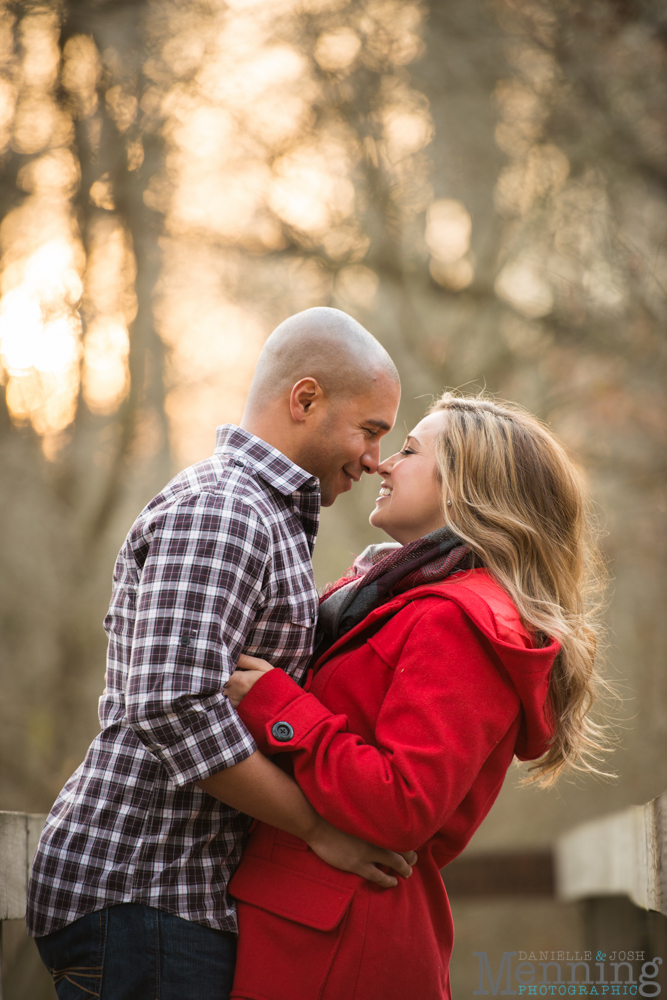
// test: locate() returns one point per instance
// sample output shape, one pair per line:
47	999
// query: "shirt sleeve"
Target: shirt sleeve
447	708
199	591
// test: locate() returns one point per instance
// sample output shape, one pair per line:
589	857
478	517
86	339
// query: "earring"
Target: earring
449	503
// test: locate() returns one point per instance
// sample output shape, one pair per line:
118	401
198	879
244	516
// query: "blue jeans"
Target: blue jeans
134	952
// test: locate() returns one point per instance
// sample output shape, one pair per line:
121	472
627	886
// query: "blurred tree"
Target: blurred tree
83	363
481	184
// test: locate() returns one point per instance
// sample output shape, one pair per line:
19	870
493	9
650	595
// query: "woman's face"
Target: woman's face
409	504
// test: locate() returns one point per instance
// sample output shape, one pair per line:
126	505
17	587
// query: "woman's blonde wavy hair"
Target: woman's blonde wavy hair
519	502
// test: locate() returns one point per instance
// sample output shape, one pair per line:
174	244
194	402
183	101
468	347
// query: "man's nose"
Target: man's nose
370	460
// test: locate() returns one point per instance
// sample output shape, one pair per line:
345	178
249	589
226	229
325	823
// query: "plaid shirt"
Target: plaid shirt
217	564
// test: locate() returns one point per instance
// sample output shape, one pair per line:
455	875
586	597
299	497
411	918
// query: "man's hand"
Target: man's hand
258	788
338	849
349	854
248	672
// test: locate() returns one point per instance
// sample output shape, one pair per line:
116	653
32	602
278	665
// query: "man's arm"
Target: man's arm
257	787
197	597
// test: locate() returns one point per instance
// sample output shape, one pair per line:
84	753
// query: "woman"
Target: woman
468	643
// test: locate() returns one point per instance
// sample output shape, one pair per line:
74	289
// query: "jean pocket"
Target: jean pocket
74	956
78	981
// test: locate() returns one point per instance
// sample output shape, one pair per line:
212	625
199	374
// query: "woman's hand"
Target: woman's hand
248	671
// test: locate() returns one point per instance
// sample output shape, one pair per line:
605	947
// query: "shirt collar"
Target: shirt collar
269	463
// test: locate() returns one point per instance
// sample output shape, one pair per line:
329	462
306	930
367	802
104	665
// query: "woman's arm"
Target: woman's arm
446	709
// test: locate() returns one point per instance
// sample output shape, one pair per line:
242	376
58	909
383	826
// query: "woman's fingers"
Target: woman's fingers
410	856
240	682
252	663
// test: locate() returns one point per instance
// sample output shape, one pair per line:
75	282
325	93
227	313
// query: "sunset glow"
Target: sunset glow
246	168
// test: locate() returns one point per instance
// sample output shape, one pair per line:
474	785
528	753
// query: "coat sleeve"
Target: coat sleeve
448	706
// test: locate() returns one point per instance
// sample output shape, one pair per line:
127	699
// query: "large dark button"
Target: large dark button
185	640
282	731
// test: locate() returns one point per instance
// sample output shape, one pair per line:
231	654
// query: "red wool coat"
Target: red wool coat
402	736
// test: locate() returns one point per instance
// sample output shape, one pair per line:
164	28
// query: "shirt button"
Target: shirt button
185	640
237	461
282	731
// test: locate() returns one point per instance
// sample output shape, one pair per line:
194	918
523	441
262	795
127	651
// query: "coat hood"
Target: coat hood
491	609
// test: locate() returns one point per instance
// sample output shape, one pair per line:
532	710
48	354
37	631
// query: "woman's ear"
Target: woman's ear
306	396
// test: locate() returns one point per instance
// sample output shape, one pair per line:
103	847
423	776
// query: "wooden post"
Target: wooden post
616	868
19	834
624	854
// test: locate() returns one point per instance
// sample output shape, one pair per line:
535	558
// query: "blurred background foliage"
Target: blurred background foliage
482	183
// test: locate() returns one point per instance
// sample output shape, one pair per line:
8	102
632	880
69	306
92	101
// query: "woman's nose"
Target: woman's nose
386	465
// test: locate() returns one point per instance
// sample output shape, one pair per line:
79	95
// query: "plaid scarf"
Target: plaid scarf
381	572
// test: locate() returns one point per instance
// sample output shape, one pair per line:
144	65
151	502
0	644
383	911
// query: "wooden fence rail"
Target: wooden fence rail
624	854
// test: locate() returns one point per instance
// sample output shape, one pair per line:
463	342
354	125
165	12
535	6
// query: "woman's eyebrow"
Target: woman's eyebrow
411	437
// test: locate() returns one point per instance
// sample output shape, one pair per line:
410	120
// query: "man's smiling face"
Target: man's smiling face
347	442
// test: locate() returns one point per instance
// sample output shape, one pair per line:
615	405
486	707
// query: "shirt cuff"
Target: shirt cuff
201	752
279	713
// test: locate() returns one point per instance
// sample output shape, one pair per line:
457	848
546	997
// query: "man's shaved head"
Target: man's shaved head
324	344
324	393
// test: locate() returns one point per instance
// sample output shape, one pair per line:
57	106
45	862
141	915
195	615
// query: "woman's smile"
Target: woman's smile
416	495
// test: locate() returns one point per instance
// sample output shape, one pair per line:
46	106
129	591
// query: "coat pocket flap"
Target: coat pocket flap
290	894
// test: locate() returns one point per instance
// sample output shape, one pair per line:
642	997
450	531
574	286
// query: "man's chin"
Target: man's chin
331	491
327	494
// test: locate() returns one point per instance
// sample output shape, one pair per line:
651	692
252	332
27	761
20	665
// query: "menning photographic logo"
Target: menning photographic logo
546	974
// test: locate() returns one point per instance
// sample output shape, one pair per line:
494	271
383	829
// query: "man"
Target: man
128	892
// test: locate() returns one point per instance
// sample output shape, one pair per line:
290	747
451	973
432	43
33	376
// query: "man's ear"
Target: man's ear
306	396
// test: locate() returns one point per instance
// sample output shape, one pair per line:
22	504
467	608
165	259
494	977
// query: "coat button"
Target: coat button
282	731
